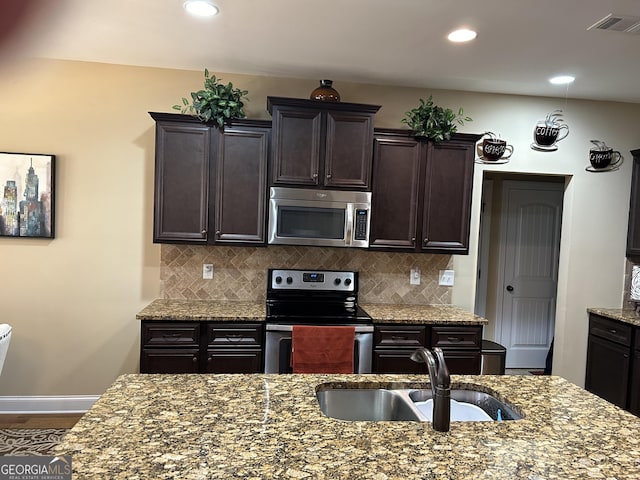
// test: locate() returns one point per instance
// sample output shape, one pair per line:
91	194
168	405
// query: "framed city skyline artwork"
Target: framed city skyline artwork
27	195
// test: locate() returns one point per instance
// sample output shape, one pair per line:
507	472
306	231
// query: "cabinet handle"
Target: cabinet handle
328	175
454	339
209	359
613	330
233	336
425	241
194	359
413	239
315	175
218	233
626	355
171	335
203	232
393	337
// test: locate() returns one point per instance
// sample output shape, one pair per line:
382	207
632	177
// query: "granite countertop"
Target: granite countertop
432	314
624	315
270	426
202	310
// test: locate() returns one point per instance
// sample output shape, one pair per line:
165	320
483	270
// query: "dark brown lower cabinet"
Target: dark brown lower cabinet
634	393
393	345
609	364
201	347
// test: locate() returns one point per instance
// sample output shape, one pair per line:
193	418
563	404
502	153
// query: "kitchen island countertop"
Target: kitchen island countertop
270	427
623	315
203	310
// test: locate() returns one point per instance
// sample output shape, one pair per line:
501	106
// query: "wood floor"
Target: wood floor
66	420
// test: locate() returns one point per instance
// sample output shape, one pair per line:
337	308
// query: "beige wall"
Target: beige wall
72	300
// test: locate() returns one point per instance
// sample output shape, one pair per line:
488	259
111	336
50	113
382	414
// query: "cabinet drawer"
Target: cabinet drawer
400	336
171	334
234	335
610	329
169	360
456	338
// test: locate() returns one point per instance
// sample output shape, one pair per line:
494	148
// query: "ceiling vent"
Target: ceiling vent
618	23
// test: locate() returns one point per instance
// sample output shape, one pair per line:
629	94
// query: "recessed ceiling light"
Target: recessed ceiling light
462	35
201	8
562	79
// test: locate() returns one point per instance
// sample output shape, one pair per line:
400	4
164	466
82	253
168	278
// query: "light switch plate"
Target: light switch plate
446	278
207	271
414	276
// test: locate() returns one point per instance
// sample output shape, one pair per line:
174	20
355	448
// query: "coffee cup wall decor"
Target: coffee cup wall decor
548	132
491	148
603	158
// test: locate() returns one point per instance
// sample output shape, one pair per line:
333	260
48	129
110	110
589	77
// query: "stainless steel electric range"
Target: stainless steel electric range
313	297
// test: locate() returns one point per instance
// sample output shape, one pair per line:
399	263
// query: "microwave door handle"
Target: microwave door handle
349	229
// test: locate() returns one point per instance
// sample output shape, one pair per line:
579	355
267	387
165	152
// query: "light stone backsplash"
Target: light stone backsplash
240	273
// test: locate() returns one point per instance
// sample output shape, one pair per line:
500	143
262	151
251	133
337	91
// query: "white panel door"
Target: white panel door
530	244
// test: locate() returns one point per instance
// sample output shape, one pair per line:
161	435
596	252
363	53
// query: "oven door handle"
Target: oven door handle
275	327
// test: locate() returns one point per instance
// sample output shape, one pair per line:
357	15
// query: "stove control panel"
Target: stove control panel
332	280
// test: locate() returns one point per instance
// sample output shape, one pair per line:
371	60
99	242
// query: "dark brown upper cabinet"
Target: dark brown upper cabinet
321	144
421	193
633	232
210	184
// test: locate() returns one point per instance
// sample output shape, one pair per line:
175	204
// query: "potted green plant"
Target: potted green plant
433	122
216	102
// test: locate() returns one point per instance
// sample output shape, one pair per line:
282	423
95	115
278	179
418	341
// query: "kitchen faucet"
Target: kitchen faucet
440	385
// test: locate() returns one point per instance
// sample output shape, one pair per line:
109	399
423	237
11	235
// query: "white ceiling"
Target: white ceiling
520	43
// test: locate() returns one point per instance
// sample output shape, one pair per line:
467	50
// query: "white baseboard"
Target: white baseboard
47	404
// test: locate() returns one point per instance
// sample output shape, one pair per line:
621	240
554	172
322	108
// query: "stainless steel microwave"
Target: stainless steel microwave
331	218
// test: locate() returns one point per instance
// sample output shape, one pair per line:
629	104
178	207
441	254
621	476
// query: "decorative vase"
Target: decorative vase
325	92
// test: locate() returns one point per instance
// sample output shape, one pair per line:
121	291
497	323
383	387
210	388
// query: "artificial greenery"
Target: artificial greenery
215	102
434	122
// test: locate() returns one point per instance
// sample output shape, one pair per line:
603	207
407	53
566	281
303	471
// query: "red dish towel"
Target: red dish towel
322	349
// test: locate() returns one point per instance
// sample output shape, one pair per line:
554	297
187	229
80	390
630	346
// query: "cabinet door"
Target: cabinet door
297	139
240	185
169	360
447	197
395	190
633	232
347	158
460	362
234	361
181	182
396	361
608	366
634	386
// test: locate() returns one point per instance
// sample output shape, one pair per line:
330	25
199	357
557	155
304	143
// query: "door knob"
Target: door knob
509	288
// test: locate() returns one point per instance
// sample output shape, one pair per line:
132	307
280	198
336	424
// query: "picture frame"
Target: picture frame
27	195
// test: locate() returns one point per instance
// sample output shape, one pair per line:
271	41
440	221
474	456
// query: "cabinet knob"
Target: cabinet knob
328	175
209	359
425	241
218	233
203	232
413	239
315	175
194	359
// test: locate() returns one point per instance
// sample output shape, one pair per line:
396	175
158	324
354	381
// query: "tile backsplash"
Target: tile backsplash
240	273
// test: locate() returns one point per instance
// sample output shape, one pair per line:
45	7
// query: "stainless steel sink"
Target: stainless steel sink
366	405
487	402
349	402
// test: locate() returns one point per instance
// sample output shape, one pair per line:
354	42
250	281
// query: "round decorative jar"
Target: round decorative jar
325	92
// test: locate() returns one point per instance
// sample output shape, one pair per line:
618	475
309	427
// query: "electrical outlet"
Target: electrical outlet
446	278
414	276
207	271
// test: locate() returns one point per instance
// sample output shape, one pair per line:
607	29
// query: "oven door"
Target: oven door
278	349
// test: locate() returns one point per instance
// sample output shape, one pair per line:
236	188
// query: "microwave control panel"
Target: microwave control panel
360	231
